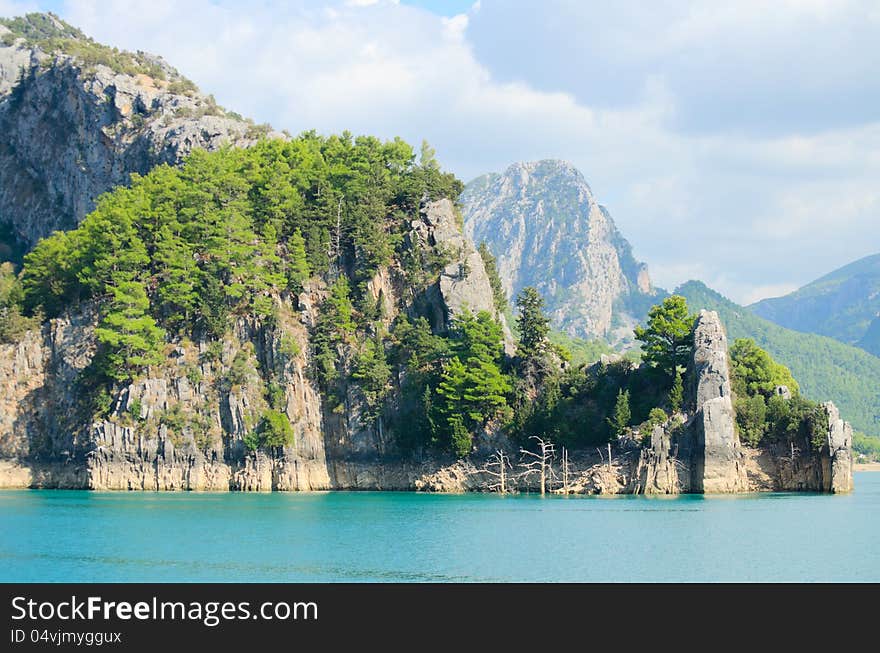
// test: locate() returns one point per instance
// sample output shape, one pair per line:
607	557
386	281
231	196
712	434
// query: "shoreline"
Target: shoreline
866	467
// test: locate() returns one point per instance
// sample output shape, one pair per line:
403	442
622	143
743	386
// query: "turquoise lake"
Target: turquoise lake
78	536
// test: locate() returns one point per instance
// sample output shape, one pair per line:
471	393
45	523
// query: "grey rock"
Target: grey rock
782	391
546	229
717	465
68	134
839	467
463	283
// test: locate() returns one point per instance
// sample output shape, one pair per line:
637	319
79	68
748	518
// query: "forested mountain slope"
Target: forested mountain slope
844	305
824	367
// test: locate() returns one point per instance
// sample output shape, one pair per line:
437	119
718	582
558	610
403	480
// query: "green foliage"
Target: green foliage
101	403
825	368
668	338
275	430
51	34
751	418
182	86
421	355
174	419
471	390
275	395
13	323
451	386
335	327
373	375
491	265
240	370
187	250
657	417
428	157
762	414
676	393
867	445
289	346
532	324
135	407
462	441
297	265
193	375
128	338
620	418
754	371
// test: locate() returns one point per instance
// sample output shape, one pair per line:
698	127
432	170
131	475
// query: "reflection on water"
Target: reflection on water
387	536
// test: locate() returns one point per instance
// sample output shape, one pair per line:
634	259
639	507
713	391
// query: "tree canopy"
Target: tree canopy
667	338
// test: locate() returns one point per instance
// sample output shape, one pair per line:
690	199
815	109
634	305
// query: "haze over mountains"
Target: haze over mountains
843	304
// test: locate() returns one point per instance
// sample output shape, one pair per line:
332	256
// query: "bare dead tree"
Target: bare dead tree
795	453
565	470
539	463
497	467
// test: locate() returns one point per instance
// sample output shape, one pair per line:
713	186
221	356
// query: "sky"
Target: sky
736	143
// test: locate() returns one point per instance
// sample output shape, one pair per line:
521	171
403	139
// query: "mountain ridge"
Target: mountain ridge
843	304
546	229
824	367
77	118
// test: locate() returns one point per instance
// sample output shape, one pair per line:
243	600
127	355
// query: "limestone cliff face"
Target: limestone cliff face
717	456
544	226
185	426
70	131
463	283
704	454
837	472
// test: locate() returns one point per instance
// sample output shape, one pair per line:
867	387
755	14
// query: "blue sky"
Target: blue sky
738	143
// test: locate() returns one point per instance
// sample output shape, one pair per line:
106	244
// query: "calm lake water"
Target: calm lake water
383	536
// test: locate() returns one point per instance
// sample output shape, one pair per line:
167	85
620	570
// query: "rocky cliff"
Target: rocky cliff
703	453
546	229
717	454
185	426
78	118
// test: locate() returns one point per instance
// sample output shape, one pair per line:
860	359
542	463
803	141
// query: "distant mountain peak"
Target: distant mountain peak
542	222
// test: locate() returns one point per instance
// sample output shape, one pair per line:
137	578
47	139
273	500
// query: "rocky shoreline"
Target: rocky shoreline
699	452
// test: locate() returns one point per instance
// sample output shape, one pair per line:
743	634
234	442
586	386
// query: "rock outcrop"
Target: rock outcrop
463	283
717	454
658	469
704	454
185	427
546	229
837	470
71	130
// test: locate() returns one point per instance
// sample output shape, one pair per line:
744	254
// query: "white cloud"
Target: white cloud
746	211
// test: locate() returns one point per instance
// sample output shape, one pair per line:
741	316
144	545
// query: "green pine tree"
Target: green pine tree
128	336
533	325
298	265
622	415
676	393
668	338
